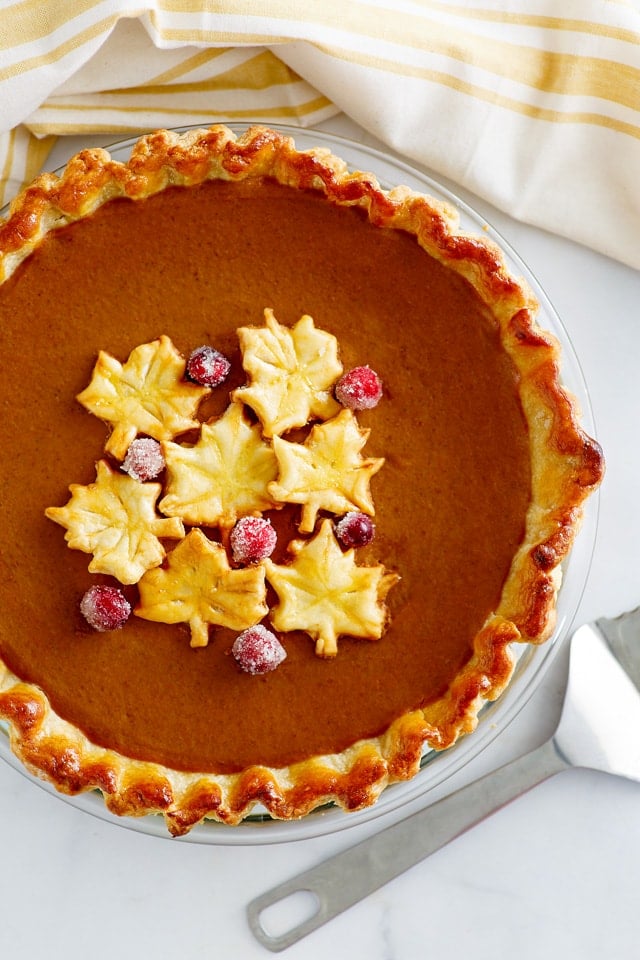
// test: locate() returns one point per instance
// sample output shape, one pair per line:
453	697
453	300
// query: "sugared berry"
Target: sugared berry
105	608
257	650
144	459
208	367
359	389
355	530
252	539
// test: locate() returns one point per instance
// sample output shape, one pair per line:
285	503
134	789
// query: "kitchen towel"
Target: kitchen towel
532	104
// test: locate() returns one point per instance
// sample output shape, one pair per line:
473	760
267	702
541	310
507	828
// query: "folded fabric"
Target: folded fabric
532	105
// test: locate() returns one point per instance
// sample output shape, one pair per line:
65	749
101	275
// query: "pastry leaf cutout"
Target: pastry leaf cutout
146	395
326	472
198	587
115	519
235	468
292	372
225	475
326	594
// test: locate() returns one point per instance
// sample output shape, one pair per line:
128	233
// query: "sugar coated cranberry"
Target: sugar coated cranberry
208	367
355	530
105	608
257	650
252	539
359	389
144	459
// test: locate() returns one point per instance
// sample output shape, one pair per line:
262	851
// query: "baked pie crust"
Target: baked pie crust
566	466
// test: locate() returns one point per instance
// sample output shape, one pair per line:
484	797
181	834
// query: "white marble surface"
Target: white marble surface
554	874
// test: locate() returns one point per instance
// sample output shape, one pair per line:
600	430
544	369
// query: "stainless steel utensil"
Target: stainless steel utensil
599	730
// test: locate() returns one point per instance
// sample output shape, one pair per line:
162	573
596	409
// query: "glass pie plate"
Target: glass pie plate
532	663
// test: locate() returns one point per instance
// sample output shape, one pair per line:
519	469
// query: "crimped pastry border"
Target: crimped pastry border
567	465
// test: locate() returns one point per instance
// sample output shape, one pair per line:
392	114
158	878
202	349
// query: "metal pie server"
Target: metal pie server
598	730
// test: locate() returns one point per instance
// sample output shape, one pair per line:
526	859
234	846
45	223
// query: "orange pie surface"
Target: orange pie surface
196	264
473	468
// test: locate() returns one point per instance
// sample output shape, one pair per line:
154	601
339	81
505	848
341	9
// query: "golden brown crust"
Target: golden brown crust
566	464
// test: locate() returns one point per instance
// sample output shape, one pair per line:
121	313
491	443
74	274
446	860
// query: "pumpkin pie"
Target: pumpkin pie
287	470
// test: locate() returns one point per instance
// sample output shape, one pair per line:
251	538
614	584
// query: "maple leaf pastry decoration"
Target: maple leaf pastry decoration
326	472
292	372
198	587
326	594
146	395
223	476
115	519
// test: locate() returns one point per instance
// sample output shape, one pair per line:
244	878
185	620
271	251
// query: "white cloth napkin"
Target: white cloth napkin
531	104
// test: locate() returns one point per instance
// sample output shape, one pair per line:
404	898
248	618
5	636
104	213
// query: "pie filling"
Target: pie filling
196	264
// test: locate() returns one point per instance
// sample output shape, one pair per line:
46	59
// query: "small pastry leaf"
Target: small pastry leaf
292	373
145	395
198	587
326	594
115	519
225	475
326	472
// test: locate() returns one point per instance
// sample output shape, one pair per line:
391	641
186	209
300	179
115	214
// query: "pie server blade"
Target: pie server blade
594	732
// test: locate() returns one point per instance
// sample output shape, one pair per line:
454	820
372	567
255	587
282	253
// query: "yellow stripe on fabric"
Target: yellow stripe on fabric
227	38
194	62
297	110
35	19
347	15
262	71
490	96
38	149
608	30
43	59
547	71
8	163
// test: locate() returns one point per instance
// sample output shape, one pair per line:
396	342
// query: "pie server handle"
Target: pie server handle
352	875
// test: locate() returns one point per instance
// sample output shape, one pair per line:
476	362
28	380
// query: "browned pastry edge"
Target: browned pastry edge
567	465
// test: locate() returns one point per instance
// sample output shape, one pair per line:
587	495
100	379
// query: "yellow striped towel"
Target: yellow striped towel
532	104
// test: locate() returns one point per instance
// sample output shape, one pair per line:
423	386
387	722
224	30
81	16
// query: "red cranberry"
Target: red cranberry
359	389
144	459
252	539
257	650
208	367
105	608
355	530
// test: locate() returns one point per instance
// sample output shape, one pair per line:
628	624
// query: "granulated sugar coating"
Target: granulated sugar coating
144	459
105	608
257	650
355	529
359	389
208	367
252	539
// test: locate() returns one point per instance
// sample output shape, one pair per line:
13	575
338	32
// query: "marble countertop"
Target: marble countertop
553	874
